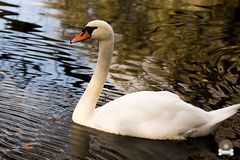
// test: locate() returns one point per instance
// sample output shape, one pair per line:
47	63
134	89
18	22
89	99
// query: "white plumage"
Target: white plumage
145	114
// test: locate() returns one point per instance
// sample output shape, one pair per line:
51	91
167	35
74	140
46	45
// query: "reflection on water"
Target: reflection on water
107	146
182	46
187	47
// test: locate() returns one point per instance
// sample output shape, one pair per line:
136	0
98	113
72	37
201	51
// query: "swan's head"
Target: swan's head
96	29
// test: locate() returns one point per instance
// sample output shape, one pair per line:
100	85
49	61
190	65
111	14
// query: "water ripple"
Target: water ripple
188	48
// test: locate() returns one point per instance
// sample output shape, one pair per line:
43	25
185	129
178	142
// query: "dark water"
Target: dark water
191	48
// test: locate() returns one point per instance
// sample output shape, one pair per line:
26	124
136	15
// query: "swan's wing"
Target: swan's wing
149	114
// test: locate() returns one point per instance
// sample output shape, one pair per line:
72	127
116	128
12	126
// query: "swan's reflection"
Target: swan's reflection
89	143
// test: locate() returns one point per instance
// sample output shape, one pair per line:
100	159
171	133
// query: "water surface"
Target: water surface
187	47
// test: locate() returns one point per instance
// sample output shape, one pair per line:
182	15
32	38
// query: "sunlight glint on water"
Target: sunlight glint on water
187	47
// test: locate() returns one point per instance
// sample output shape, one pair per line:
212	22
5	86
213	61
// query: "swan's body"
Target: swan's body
145	114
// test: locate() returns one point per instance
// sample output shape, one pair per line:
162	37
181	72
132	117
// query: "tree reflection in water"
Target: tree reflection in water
188	47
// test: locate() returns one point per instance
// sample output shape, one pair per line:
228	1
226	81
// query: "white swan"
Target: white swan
145	114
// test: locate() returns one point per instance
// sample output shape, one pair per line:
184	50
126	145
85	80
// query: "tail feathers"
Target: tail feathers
217	117
224	113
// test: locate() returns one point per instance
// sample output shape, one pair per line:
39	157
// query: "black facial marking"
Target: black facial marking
88	29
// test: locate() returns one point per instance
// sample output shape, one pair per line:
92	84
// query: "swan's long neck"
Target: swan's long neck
87	103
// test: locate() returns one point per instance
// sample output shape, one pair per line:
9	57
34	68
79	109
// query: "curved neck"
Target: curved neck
87	103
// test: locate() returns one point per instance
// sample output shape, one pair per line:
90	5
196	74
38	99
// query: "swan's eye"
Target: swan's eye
88	29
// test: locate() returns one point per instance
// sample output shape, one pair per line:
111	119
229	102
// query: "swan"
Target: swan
144	114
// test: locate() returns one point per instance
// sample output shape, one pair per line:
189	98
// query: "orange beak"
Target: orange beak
83	36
